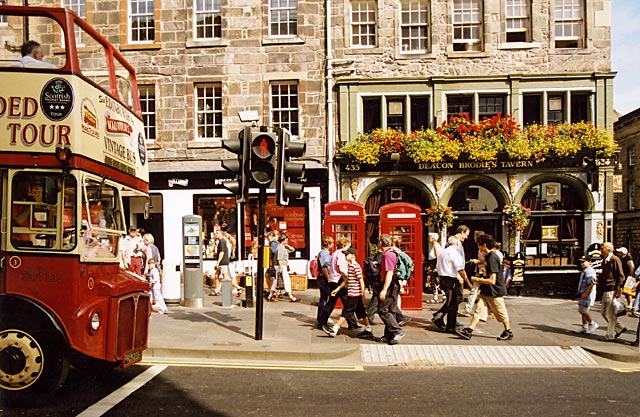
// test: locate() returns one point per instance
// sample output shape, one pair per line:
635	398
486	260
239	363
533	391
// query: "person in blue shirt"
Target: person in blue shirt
586	295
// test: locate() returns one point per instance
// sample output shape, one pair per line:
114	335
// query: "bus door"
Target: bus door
402	222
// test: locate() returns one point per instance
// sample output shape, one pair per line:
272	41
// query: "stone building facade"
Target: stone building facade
368	64
627	134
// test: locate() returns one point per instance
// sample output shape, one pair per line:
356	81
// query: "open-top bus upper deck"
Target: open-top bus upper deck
81	98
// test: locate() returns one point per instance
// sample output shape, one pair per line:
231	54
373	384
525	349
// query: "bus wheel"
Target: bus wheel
31	361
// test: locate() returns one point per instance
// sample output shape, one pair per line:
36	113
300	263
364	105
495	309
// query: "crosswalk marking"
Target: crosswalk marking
465	355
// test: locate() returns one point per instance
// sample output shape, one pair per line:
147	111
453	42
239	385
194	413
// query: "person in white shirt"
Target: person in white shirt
32	56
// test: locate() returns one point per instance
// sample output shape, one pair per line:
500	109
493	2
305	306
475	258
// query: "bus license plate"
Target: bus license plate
133	357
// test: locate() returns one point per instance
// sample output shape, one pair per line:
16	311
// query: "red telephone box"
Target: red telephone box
403	221
346	218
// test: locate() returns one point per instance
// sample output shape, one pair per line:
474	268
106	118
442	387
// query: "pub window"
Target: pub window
490	106
403	113
555	109
460	106
580	107
532	109
556	228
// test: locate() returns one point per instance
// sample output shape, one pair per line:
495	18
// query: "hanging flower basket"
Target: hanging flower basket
517	217
439	216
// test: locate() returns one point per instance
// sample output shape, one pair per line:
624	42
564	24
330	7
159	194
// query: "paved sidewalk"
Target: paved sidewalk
219	334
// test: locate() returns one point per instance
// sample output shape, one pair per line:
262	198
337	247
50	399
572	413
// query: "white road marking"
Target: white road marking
242	365
107	403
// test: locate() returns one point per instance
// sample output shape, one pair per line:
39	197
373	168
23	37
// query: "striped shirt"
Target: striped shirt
354	275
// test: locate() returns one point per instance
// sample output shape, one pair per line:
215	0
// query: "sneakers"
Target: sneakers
465	333
583	329
330	330
404	321
506	335
464	313
592	327
397	338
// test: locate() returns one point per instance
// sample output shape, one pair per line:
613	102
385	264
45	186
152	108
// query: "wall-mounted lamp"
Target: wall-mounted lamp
395	156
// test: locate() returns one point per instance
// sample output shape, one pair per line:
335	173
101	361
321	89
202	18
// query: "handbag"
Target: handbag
629	284
620	306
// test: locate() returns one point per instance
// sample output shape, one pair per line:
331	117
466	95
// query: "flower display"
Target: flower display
499	137
439	216
517	216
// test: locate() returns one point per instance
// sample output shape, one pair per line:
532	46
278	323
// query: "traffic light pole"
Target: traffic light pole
262	202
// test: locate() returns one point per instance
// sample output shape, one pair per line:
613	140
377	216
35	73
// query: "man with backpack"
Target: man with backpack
389	290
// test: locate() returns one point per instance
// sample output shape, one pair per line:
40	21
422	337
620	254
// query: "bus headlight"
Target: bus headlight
95	321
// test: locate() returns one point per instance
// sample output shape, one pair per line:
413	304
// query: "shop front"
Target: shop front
565	214
202	193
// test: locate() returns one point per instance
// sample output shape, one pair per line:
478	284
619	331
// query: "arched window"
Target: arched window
556	228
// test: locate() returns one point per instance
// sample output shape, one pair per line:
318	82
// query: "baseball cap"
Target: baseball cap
622	250
131	227
350	251
585	258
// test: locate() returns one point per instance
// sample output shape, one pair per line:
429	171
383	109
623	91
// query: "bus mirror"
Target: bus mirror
51	190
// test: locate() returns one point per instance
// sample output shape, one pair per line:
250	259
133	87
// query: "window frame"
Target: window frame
371	25
525	27
4	20
423	11
216	89
631	156
407	99
147	28
276	112
287	16
568	24
462	19
214	13
567	98
148	117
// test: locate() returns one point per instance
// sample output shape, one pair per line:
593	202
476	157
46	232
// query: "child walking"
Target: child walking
157	300
354	301
586	296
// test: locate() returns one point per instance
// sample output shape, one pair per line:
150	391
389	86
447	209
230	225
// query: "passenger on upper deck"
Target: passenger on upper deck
32	56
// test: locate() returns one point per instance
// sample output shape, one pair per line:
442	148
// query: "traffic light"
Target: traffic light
240	186
263	158
290	174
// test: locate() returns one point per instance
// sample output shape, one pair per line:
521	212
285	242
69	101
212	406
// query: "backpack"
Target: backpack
314	268
371	273
404	267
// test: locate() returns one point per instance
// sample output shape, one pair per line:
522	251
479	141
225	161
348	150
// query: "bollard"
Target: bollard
225	289
248	291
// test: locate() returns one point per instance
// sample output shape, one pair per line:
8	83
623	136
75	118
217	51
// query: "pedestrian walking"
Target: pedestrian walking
586	295
492	291
282	269
353	308
338	269
388	294
452	275
432	266
324	265
610	285
157	300
479	271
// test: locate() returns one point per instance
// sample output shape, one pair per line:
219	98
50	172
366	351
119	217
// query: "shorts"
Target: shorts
583	309
497	306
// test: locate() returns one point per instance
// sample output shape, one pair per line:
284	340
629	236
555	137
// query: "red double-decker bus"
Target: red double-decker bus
72	148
